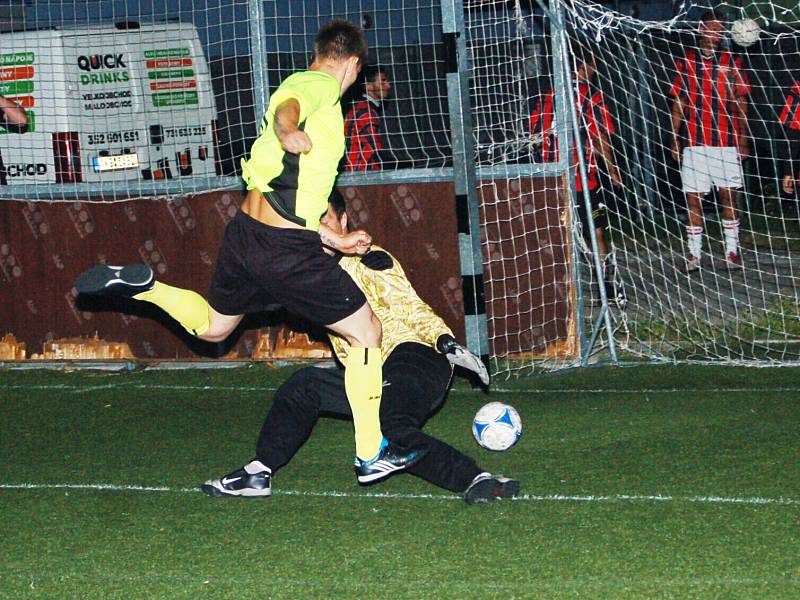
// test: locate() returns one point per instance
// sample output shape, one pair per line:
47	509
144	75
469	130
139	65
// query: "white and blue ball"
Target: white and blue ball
497	426
745	32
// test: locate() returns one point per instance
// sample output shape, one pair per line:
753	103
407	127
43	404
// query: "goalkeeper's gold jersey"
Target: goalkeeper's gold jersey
402	313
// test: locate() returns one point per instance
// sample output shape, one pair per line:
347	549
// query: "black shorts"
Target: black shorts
599	212
263	268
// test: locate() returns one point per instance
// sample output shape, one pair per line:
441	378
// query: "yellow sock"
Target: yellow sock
363	382
185	306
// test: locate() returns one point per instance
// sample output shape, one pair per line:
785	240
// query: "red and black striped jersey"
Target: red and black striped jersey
790	115
709	88
790	119
364	135
595	118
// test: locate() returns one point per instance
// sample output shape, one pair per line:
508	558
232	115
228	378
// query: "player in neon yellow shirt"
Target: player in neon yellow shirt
272	252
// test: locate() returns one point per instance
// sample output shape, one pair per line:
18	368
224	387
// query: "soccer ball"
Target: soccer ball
745	32
497	426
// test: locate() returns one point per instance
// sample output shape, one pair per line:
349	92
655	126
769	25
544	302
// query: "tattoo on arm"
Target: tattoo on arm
327	240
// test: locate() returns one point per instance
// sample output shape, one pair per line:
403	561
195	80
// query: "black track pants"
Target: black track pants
416	378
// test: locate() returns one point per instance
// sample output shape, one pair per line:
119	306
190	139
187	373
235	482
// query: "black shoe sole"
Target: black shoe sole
214	492
133	279
490	490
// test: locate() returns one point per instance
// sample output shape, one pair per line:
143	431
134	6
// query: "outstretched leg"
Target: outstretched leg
138	281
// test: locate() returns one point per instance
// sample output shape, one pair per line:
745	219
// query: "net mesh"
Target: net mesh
125	99
688	130
162	100
136	99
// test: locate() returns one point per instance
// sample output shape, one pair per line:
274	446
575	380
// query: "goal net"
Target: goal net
124	99
687	151
136	99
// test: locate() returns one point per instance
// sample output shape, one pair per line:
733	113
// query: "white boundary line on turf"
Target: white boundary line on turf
78	389
752	501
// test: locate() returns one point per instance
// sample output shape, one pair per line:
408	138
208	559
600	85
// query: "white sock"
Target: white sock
694	239
731	229
256	466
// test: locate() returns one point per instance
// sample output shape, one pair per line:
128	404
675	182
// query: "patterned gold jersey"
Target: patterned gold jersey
402	313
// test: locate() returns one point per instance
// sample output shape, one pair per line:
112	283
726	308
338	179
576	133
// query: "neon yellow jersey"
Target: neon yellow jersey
298	186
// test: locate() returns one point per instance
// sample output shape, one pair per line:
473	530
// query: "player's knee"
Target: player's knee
367	336
216	333
374	332
219	326
213	337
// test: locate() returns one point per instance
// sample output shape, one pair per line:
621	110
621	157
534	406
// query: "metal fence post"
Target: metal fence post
464	177
260	80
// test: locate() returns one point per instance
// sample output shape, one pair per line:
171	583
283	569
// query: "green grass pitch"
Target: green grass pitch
647	482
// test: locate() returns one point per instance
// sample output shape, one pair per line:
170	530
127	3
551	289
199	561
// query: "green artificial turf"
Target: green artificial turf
648	482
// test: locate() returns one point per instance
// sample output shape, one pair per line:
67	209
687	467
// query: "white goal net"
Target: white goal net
688	131
124	99
135	99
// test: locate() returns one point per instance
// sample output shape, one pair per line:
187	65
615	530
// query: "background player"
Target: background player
271	253
363	126
596	127
790	119
417	374
709	111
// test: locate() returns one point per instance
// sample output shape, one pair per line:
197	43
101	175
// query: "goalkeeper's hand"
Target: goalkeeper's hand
460	356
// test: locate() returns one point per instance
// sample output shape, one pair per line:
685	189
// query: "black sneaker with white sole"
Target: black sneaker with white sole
390	459
488	488
241	483
117	281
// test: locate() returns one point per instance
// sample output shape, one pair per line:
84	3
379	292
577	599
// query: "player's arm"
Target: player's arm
677	122
741	92
607	152
354	242
287	120
742	134
792	157
677	110
13	115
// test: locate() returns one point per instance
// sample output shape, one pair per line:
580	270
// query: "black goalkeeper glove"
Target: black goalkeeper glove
377	260
460	356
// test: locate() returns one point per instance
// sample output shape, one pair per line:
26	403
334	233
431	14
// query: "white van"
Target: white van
116	103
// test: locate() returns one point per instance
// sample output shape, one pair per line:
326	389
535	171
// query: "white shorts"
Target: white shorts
704	166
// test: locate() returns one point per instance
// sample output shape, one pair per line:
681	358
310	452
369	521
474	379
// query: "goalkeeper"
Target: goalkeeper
271	253
419	350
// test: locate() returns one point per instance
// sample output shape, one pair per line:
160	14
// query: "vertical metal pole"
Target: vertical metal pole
573	113
464	177
647	118
562	124
258	52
